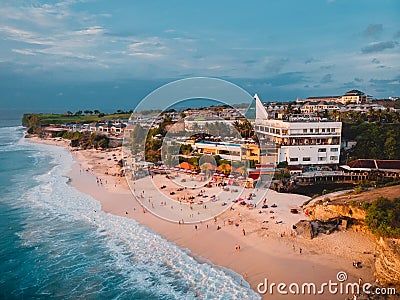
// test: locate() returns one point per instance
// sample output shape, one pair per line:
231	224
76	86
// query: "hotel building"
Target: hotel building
297	140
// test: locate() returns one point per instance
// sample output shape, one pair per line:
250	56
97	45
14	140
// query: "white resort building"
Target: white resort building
297	140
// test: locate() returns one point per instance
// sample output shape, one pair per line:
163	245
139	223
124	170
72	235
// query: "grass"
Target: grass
46	119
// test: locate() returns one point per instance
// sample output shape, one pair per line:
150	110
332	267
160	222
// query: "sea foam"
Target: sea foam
145	261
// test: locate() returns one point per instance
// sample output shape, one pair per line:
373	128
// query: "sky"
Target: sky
101	54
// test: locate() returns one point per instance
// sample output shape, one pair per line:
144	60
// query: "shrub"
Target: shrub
383	217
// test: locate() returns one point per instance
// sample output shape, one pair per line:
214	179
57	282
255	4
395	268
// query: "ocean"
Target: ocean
56	243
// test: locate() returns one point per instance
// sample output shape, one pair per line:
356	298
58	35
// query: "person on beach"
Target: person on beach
244	232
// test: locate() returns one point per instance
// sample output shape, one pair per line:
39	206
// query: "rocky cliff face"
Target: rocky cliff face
328	212
387	263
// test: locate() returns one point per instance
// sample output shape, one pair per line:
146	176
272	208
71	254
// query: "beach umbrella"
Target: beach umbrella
231	176
222	175
240	177
202	173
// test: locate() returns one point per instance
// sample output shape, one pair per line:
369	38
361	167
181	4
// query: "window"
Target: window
322	150
294	159
334	149
306	159
316	130
304	130
334	158
323	129
321	158
328	130
284	132
311	130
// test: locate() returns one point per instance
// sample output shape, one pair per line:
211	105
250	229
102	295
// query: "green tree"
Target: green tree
185	149
383	217
391	148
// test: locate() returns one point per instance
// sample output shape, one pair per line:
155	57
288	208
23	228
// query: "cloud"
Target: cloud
25	36
24	51
288	78
309	60
92	30
373	30
214	67
327	67
375	61
327	78
275	65
353	84
250	61
394	81
378	47
149	48
397	35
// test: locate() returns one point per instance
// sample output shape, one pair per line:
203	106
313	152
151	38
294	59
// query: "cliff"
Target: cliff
387	263
328	212
387	257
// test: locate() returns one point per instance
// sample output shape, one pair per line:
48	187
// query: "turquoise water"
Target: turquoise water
56	243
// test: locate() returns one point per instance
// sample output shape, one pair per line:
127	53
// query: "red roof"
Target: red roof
295	168
362	163
375	164
264	166
388	164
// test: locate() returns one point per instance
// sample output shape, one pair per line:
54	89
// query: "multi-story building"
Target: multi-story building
297	140
230	151
353	96
319	106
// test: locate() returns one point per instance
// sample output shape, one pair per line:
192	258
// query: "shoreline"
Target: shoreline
263	253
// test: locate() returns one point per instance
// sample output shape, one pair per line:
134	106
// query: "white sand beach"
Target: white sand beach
268	249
